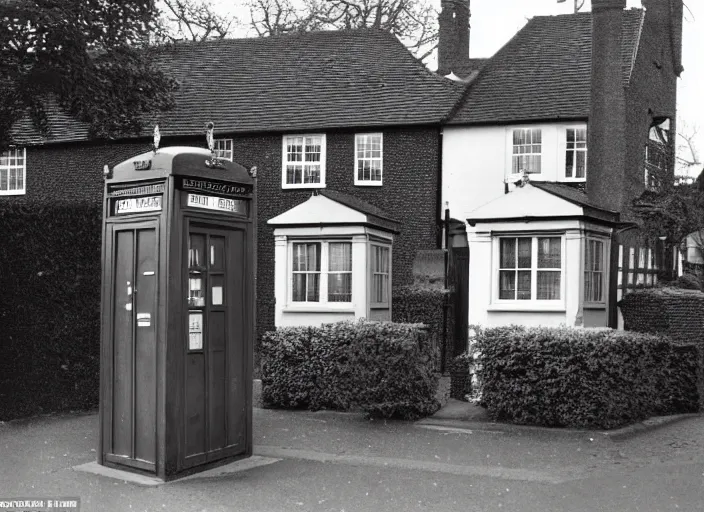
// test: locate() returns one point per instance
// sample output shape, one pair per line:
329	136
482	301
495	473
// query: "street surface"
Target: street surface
341	462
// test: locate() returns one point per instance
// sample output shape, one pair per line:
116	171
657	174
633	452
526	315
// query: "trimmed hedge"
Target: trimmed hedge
49	308
383	368
412	304
561	377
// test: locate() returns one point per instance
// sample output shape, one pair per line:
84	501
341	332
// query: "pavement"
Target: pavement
331	461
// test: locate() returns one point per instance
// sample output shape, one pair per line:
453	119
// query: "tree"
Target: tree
87	57
191	20
413	21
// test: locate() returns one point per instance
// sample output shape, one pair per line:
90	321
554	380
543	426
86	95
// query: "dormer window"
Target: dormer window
527	150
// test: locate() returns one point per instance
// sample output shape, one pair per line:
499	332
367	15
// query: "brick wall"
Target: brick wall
409	192
652	93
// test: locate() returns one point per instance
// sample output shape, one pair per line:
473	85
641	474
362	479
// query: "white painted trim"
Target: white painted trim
533	304
323	157
368	183
562	152
23	190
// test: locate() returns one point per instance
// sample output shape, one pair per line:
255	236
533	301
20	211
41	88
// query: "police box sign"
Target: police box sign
222	204
138	205
215	187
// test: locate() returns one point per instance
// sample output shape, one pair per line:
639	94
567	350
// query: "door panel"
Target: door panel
134	344
122	344
145	346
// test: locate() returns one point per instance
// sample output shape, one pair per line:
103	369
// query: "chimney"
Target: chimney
668	14
607	109
453	38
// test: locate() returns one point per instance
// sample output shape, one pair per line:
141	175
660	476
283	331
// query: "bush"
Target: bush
49	308
383	368
413	304
563	377
688	282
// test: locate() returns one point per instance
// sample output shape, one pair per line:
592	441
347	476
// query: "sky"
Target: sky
494	22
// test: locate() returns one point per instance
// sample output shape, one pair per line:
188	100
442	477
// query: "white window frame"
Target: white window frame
358	160
533	303
285	162
324	272
515	155
372	273
604	271
14	152
575	150
223	152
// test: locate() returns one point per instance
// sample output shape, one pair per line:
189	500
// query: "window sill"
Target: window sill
319	308
594	305
12	192
302	186
531	307
367	183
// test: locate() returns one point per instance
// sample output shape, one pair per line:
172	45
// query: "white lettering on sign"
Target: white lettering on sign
216	203
138	204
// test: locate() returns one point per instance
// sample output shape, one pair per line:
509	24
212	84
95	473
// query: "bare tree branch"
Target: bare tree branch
192	20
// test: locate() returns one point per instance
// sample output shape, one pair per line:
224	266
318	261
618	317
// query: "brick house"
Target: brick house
555	137
350	117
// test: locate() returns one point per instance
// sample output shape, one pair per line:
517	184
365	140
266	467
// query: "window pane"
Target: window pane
581	170
569	163
340	257
3	179
217	290
525	246
217	253
340	287
507	284
299	287
196	251
549	252
524	282
570	135
313	283
549	285
381	259
508	252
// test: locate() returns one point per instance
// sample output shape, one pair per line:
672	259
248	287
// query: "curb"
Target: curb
620	434
648	425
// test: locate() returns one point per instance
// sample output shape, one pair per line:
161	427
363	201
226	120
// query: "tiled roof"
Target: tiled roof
568	193
356	204
543	73
318	80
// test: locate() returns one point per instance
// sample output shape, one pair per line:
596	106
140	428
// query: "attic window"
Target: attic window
13	166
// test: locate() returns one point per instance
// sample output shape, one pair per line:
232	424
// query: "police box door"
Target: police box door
213	344
131	406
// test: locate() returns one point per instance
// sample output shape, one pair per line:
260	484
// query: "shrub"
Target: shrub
563	377
383	368
688	282
49	308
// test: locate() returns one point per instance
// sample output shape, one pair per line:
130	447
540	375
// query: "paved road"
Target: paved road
335	462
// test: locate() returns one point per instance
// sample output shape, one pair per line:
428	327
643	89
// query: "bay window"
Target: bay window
594	271
381	271
530	268
321	272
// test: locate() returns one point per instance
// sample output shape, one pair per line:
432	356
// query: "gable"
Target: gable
544	72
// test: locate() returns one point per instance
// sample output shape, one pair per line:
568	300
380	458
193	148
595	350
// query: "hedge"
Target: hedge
412	304
672	312
383	368
49	308
562	377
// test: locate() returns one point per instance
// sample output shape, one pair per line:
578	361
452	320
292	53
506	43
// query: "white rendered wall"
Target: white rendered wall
475	161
